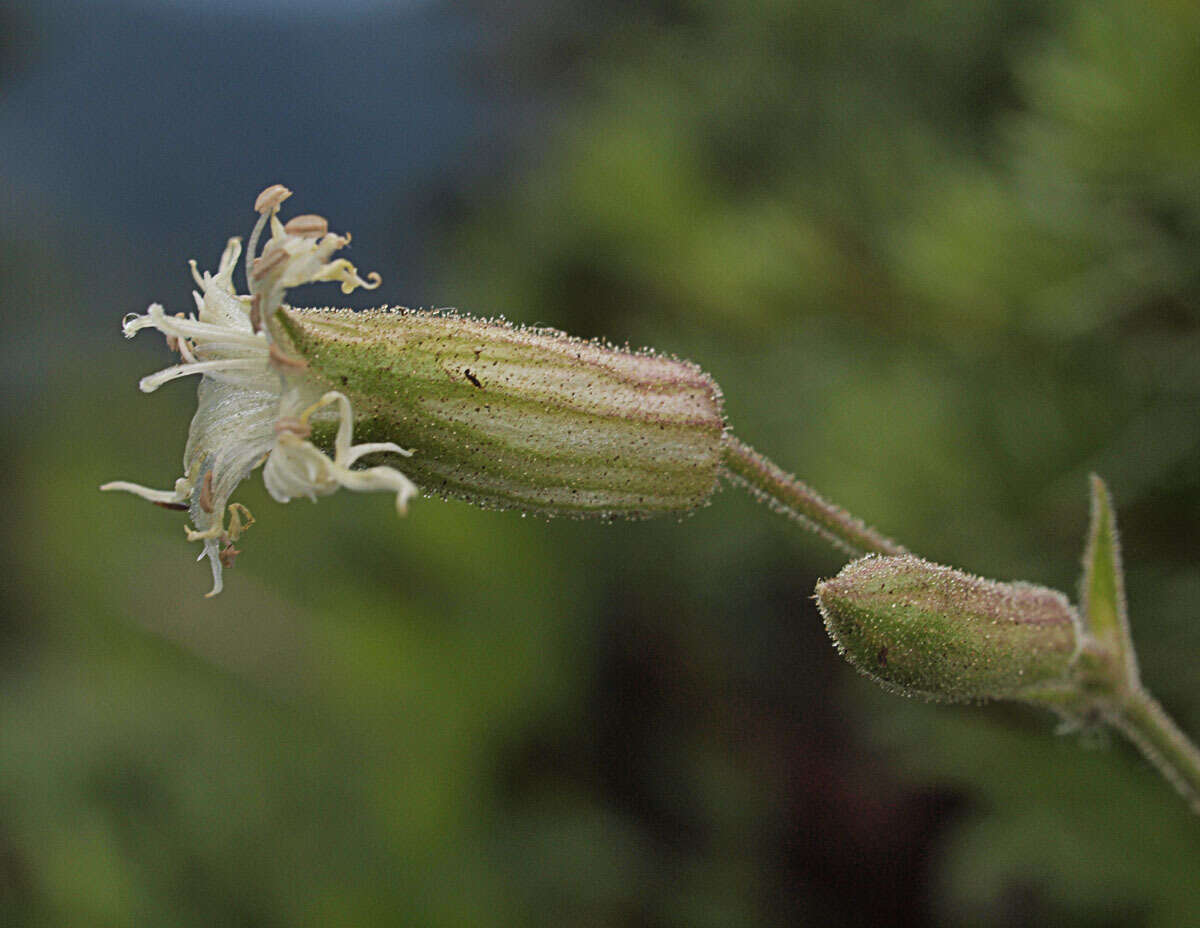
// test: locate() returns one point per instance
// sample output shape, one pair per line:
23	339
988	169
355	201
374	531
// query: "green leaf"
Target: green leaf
1102	587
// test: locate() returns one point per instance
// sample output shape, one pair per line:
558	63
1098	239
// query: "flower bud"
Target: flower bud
937	632
513	417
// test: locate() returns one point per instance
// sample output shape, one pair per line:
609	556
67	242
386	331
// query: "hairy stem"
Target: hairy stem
795	499
1142	720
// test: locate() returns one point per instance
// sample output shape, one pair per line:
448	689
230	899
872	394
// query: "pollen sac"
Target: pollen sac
512	417
936	632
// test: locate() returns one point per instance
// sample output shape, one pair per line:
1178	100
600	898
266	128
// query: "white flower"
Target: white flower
256	403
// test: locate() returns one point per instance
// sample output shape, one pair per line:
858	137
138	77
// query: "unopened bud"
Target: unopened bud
938	632
512	417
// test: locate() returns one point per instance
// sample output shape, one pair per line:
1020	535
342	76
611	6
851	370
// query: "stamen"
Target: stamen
233	248
227	555
271	197
271	258
256	312
185	351
293	426
307	226
205	498
283	360
252	247
173	340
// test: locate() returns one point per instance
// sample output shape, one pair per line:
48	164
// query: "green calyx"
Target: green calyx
511	417
927	630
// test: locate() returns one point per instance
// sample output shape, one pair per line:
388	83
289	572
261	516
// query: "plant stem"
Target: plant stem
1142	720
795	499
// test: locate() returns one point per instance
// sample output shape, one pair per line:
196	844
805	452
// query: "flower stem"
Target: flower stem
795	499
1142	720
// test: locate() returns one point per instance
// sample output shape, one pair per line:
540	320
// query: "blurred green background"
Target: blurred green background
942	258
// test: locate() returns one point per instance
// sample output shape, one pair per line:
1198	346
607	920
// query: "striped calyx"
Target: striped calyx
933	631
513	417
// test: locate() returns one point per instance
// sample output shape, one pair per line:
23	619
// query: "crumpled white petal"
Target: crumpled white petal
298	468
255	404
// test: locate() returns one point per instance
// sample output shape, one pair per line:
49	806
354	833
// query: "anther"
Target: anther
293	426
205	498
173	340
227	555
283	360
271	198
270	259
307	226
